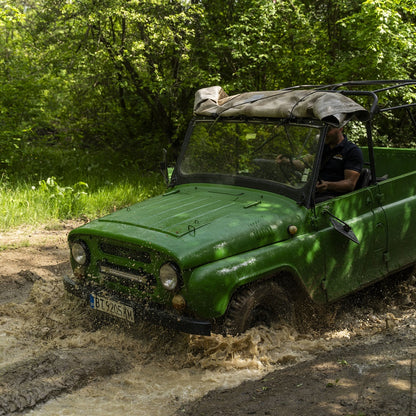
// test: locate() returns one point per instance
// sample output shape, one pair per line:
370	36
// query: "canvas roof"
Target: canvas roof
331	107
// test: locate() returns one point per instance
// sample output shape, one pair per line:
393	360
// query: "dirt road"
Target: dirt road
355	358
375	378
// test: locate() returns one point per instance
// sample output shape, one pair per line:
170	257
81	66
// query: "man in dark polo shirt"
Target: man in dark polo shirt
341	164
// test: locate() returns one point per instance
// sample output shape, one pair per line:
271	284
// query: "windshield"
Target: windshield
279	152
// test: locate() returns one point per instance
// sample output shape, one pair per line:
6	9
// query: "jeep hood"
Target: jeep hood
203	223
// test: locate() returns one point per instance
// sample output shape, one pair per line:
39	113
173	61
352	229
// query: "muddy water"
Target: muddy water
55	360
168	369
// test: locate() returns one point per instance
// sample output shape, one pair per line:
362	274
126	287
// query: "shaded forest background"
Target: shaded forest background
119	77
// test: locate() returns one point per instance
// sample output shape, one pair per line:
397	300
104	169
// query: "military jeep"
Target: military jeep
240	233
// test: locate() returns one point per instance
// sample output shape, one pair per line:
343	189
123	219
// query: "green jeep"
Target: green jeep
239	235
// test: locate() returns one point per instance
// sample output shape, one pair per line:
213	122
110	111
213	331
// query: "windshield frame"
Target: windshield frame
300	195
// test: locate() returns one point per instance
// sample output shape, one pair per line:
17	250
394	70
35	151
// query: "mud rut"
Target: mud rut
57	358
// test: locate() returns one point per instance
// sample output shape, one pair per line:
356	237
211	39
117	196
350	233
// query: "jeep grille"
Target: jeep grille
126	252
131	278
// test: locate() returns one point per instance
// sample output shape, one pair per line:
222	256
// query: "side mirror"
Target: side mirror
167	171
164	167
342	227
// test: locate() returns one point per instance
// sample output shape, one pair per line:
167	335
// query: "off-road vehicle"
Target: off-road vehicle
240	234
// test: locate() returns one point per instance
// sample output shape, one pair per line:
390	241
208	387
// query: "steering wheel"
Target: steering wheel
288	168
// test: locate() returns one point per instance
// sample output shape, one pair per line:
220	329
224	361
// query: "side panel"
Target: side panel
348	265
394	162
211	286
398	198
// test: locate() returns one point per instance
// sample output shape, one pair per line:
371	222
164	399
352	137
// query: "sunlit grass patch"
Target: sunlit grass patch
48	202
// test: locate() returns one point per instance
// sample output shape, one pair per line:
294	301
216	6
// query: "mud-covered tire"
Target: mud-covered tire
259	304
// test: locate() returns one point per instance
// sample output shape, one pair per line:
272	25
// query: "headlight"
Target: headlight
169	276
79	253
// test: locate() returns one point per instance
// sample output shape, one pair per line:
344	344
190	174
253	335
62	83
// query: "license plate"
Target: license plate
111	307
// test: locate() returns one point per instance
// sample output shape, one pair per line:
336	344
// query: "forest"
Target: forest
92	91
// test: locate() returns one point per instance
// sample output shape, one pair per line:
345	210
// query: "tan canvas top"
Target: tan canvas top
331	107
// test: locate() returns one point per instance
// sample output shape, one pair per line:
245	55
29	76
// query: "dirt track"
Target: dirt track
356	358
372	379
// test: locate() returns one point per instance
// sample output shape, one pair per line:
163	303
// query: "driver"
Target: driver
341	164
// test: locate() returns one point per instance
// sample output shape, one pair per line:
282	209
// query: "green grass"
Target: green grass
57	184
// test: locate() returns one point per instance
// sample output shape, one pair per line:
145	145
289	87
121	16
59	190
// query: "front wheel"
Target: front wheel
259	304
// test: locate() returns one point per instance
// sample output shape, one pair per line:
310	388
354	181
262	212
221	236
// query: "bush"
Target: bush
64	201
77	185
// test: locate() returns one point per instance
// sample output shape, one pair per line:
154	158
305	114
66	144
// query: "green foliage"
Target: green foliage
121	76
70	164
49	201
49	184
379	41
118	78
63	201
134	59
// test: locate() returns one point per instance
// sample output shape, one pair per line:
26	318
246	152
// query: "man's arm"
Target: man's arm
345	185
298	164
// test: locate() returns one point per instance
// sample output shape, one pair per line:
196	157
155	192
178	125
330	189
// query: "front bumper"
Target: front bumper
147	312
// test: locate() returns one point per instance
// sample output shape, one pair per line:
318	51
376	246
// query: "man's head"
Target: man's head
334	136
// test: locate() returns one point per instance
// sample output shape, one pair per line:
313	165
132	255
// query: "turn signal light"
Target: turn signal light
292	229
179	303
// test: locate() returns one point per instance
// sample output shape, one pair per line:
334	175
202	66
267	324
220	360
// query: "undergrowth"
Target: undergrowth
57	184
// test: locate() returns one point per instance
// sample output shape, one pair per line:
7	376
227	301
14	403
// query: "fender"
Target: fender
211	286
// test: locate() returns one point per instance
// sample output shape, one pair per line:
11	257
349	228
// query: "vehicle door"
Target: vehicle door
350	265
398	198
